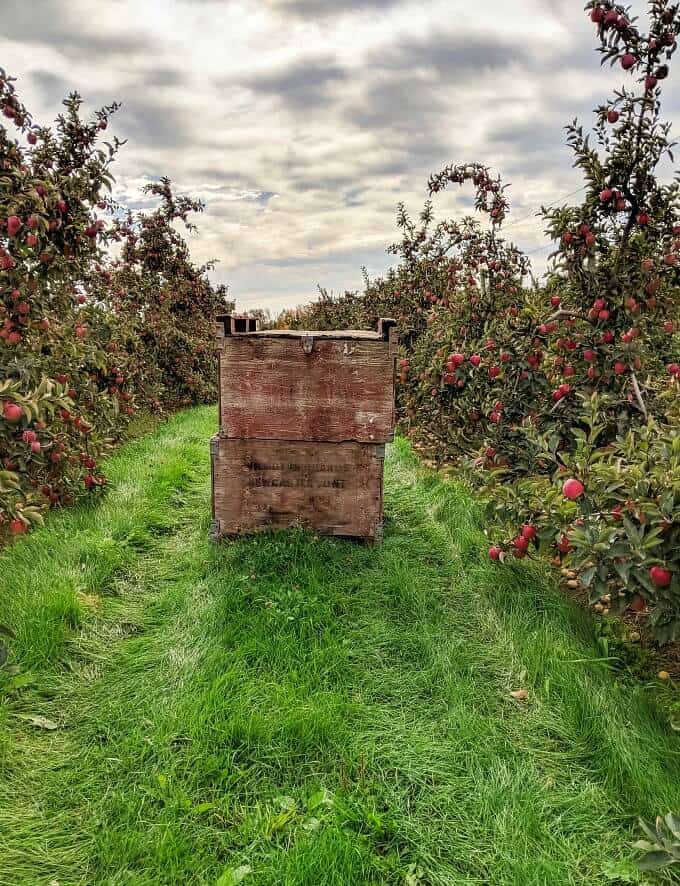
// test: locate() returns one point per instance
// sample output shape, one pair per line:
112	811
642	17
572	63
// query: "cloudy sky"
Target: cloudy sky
302	123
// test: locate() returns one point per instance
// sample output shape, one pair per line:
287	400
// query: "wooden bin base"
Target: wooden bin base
331	488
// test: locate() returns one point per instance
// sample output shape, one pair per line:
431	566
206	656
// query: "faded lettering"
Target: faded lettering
294	466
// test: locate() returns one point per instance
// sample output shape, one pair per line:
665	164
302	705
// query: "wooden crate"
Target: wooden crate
311	386
304	417
331	488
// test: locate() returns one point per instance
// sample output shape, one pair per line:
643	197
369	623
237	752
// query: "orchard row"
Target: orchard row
102	311
561	402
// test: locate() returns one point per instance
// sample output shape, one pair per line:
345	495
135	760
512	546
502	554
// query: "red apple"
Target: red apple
564	545
572	489
14	225
521	545
11	412
637	604
660	576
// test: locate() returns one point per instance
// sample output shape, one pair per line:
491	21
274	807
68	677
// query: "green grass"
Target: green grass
322	712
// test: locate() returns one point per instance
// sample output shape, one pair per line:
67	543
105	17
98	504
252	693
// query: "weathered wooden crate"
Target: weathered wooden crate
304	418
324	386
332	488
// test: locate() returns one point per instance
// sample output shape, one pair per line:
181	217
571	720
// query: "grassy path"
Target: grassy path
311	711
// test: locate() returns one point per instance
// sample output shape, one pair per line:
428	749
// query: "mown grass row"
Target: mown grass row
305	710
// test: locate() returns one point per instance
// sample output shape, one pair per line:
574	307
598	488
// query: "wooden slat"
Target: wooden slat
271	389
334	489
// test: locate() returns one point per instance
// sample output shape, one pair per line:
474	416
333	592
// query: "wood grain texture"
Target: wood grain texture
341	390
332	488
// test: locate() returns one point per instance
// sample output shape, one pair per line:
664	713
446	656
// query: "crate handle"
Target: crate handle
235	324
385	324
307	343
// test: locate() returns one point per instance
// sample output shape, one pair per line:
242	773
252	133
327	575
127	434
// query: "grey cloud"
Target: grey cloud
399	103
163	77
222	208
330	8
527	137
412	84
305	84
150	124
52	88
226	178
353	197
52	23
452	54
302	181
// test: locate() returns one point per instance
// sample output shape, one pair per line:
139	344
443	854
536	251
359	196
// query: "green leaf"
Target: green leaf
587	576
18	680
673	824
654	861
321	797
233	876
633	534
39	722
653	835
621	872
202	808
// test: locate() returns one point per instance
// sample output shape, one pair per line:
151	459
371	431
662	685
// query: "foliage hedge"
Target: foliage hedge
102	312
560	400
